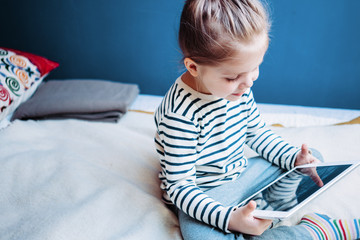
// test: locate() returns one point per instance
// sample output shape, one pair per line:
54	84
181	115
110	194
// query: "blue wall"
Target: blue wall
314	56
313	59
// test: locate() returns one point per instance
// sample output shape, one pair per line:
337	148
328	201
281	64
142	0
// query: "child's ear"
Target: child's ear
191	66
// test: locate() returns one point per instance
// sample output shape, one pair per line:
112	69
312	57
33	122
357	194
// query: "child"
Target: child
207	117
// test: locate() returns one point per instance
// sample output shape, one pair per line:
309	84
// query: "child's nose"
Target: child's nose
249	81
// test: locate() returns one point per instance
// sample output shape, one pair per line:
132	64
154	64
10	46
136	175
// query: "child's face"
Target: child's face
231	79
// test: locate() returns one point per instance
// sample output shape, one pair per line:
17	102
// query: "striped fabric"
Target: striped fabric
200	142
324	228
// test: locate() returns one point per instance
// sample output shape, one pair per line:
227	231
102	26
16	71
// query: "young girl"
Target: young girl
207	117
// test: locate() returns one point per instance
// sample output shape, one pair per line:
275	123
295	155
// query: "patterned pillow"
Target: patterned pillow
20	75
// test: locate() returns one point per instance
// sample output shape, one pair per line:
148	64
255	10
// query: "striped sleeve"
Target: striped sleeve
176	143
265	142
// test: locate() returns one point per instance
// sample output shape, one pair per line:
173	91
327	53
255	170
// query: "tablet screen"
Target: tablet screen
294	188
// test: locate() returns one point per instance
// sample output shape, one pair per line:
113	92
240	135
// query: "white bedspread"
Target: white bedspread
72	179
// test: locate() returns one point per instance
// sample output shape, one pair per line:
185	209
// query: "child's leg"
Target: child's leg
257	175
323	227
192	229
317	154
284	233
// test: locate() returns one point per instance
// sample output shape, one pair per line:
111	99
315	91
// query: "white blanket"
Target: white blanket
71	179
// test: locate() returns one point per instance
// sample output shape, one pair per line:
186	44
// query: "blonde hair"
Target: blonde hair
210	28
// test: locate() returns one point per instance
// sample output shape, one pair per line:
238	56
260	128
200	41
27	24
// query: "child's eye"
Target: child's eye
231	79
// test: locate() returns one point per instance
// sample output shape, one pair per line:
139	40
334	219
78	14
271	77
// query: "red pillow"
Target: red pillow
20	75
43	64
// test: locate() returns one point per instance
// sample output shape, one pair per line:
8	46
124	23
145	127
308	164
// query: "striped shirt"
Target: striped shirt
200	142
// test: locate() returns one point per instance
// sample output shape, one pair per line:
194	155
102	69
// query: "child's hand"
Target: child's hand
304	157
242	220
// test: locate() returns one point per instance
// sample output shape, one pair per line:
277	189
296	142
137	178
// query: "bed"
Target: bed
76	179
70	178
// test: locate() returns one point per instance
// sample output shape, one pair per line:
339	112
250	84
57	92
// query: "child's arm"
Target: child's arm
272	147
265	142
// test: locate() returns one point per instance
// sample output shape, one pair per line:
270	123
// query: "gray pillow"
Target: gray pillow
89	99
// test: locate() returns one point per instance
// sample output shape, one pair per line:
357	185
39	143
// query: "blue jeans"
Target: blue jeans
257	175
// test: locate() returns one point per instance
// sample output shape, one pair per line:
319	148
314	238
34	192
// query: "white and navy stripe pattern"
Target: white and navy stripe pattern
200	141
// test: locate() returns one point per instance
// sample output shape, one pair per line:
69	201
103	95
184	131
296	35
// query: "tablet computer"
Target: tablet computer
292	190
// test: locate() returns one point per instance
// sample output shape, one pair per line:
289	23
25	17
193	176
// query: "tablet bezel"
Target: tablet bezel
271	214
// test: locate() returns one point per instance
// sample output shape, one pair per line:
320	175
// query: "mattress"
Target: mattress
75	179
274	114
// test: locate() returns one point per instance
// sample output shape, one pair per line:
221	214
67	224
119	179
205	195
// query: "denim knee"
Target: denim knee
317	154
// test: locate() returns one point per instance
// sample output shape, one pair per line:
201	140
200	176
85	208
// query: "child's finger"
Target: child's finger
316	178
249	208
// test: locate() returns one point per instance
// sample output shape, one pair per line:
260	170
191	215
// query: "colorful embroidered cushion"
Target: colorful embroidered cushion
20	75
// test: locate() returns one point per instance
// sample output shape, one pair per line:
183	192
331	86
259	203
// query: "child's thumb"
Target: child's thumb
249	208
